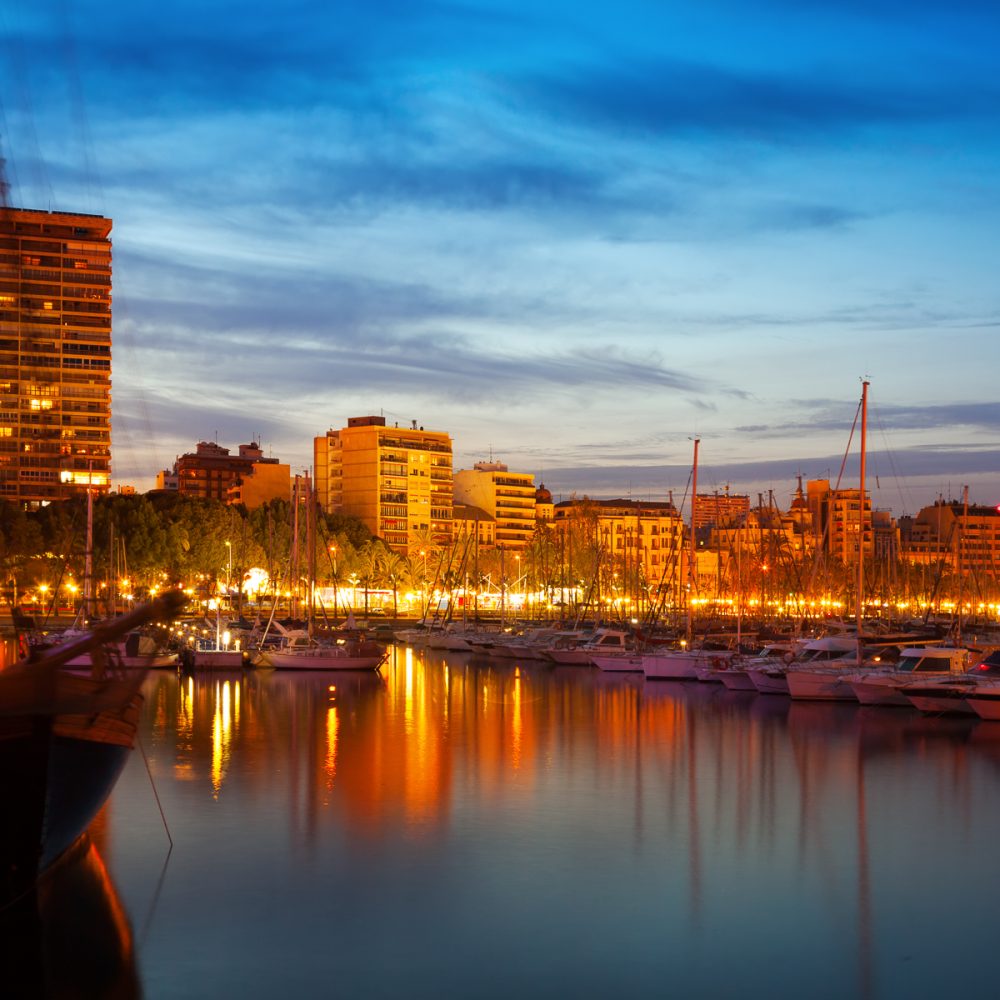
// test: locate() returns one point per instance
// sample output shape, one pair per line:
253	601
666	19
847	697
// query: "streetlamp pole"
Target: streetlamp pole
229	572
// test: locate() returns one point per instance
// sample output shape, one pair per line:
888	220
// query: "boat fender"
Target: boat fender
716	662
788	657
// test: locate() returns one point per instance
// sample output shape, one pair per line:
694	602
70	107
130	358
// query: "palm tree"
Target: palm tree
396	569
369	566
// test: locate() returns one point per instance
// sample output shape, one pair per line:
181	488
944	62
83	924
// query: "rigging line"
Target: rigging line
156	794
148	922
19	71
899	479
91	179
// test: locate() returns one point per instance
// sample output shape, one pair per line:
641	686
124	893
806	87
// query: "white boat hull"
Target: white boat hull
941	704
618	664
879	692
769	681
671	666
985	706
320	661
819	685
736	680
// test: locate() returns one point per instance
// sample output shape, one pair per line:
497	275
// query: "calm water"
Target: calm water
477	830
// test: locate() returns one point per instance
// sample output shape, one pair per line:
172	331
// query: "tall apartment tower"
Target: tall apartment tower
507	496
397	480
55	355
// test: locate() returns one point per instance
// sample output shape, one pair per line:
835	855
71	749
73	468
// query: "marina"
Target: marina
568	829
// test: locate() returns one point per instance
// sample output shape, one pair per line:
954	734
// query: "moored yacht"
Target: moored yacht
915	665
605	641
684	664
954	695
820	671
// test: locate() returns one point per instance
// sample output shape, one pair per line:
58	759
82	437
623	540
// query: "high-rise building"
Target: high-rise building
55	355
837	517
719	510
397	480
508	497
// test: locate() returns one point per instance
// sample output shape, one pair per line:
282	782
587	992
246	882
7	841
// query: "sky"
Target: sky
575	236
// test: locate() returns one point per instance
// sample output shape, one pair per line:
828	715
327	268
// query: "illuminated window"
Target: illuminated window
46	305
6	432
85	478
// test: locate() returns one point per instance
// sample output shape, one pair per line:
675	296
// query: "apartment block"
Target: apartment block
397	480
55	355
508	497
647	536
839	520
212	473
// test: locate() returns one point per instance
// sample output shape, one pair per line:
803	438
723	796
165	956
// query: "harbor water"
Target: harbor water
457	827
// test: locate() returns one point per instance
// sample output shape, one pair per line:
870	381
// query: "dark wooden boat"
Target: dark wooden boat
64	739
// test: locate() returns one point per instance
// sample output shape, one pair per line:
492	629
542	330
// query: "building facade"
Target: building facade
55	355
397	480
720	510
211	472
963	537
508	497
475	524
839	520
640	542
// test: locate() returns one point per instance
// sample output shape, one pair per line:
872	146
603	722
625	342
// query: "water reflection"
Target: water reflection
683	833
71	937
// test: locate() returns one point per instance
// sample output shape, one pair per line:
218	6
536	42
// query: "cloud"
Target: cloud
831	415
667	97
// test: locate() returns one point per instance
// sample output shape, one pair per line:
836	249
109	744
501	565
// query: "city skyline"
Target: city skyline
571	242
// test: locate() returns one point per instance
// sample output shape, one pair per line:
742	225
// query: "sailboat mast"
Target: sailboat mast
859	612
310	549
693	569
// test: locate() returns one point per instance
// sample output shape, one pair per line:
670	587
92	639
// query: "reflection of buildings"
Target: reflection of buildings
55	355
397	480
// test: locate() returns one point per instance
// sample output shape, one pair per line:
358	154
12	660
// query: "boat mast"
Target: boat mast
310	549
692	568
859	612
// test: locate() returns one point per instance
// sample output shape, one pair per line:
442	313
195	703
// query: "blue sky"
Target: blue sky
571	235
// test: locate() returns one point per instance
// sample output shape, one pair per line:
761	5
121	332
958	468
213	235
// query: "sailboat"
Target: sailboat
832	682
300	649
64	739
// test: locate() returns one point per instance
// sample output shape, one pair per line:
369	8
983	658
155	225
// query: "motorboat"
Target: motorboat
821	670
604	642
684	664
966	694
915	665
